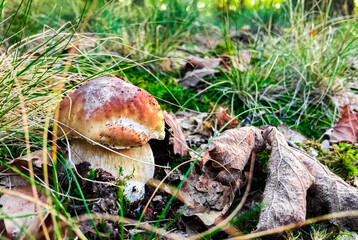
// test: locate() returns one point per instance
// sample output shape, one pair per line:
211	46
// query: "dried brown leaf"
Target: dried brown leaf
206	198
232	150
193	128
11	180
223	117
294	179
286	186
35	157
16	206
198	68
193	78
179	143
329	193
196	63
211	194
346	129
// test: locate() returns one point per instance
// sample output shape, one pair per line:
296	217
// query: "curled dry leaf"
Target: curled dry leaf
16	206
223	117
286	187
11	179
295	178
196	63
206	198
22	162
346	129
179	143
232	150
193	78
211	194
329	193
197	68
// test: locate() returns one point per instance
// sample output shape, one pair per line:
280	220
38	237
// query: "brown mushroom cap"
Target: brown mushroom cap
111	111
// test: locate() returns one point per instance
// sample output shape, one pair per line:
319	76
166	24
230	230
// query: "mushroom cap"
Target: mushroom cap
111	111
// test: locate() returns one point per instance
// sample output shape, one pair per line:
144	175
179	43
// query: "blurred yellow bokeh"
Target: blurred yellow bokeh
233	5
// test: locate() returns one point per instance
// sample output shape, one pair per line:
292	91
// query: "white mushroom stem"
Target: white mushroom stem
99	157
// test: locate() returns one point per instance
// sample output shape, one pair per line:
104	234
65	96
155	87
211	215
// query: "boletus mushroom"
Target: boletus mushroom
111	112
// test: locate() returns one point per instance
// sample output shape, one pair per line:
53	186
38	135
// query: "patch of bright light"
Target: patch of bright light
232	8
278	5
252	2
356	2
201	5
163	7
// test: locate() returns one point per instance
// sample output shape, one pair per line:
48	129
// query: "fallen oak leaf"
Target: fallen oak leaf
179	143
286	187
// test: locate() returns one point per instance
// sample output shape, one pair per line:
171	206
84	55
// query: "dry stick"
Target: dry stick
145	226
46	206
297	225
30	166
224	224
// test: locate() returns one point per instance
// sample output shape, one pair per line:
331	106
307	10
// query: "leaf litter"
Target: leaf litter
211	194
297	184
295	178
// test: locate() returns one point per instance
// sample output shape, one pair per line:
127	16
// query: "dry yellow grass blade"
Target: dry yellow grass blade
297	225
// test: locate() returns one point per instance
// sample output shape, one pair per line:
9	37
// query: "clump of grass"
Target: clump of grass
151	30
295	69
31	74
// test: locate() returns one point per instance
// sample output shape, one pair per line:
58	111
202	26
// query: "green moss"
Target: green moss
264	157
247	222
340	158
